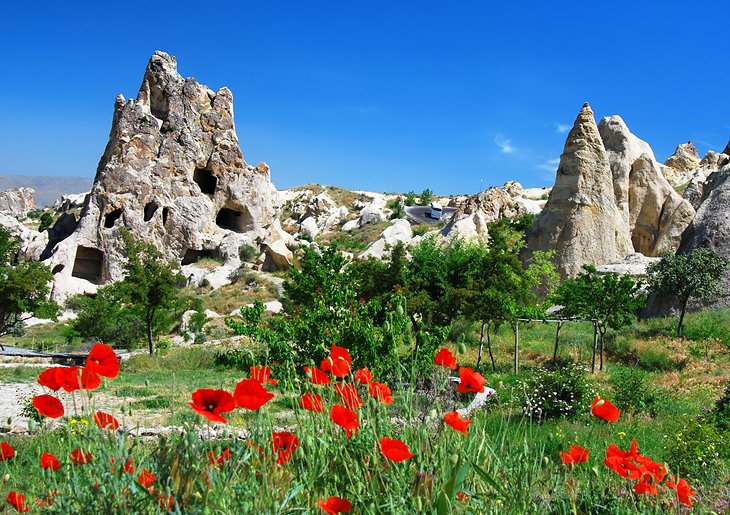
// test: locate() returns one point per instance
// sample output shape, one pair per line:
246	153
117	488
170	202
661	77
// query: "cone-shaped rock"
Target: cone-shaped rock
581	222
173	174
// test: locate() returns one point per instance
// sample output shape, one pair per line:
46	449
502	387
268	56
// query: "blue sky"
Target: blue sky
382	96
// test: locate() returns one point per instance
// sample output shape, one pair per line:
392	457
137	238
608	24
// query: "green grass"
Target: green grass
42	337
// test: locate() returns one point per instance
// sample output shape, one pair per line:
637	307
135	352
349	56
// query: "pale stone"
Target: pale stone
581	221
398	231
309	227
278	256
685	158
17	202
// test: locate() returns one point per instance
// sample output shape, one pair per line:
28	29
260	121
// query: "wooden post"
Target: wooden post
595	345
481	344
516	329
489	348
557	340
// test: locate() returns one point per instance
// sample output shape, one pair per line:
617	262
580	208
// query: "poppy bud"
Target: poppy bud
462	348
300	452
594	471
419	505
31	425
454	459
308	442
433	414
399	310
546	460
6	478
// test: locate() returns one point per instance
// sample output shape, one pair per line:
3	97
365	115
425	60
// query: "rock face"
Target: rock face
473	214
399	231
657	214
581	221
174	175
685	158
17	202
710	228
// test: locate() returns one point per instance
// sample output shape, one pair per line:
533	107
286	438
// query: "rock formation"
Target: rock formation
17	202
581	221
685	158
173	174
473	214
657	214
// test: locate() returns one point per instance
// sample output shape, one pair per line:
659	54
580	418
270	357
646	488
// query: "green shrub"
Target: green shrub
697	449
633	393
410	198
708	325
247	252
721	413
561	392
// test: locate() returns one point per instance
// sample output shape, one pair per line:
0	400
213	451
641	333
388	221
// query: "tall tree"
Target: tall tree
693	275
24	288
150	284
609	300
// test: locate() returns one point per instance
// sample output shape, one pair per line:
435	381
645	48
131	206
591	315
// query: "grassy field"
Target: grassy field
507	463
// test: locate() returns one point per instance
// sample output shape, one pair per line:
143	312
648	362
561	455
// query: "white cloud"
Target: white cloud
504	144
550	165
562	128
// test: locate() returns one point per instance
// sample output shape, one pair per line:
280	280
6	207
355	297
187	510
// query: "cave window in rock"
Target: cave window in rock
165	214
58	268
112	217
205	180
149	211
88	264
194	255
234	220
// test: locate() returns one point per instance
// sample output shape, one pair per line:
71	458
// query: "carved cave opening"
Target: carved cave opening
165	214
111	217
149	211
195	255
234	220
58	268
205	180
88	264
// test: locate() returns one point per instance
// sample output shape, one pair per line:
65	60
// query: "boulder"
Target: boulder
70	201
309	227
173	174
657	214
581	221
634	265
17	202
278	256
374	212
399	231
685	158
474	213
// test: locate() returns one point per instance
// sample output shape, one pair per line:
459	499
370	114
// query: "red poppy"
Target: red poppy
17	501
642	487
363	376
348	394
220	459
75	378
48	406
52	378
49	461
338	362
312	402
471	382
262	375
103	361
285	444
251	394
79	457
345	418
445	359
317	376
106	421
461	496
6	451
129	467
684	491
381	392
146	478
335	505
453	419
575	456
603	409
634	466
394	449
211	403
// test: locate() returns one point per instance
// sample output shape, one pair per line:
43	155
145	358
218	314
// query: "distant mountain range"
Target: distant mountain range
47	188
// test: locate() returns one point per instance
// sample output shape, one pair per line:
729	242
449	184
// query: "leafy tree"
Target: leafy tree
426	197
150	285
693	275
410	198
24	288
610	300
397	207
46	221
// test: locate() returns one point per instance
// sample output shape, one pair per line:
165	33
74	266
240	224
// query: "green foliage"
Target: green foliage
24	288
708	325
410	198
697	448
692	275
150	285
46	221
554	393
397	207
426	197
632	392
721	414
247	252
